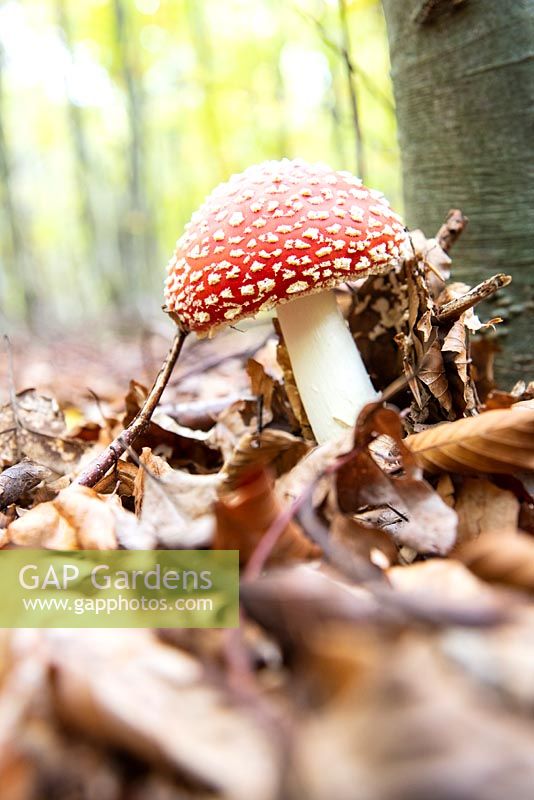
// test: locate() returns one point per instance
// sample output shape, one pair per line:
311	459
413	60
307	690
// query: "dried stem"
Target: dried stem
451	229
455	308
137	426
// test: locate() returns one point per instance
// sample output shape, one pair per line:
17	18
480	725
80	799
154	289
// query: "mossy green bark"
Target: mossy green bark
464	90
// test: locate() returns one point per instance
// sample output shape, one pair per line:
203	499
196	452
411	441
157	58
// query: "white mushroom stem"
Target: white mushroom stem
329	372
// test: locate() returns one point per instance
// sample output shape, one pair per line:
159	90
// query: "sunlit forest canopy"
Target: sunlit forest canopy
117	117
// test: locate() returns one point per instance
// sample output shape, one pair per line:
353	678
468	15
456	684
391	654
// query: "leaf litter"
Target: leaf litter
387	584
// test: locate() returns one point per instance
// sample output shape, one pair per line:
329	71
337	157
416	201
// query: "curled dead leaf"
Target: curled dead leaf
501	559
278	450
35	429
244	516
78	518
175	508
499	441
424	521
484	508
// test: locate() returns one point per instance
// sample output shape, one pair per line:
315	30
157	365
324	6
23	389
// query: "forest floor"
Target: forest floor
387	636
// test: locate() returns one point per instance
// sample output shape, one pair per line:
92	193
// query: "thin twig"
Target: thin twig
139	424
455	308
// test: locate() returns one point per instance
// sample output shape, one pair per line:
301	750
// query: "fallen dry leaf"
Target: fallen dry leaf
424	521
175	508
277	450
501	559
499	441
18	480
78	518
484	508
35	429
245	514
154	701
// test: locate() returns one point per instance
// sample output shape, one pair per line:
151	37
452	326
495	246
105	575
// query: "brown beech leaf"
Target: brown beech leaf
244	516
128	690
432	374
180	446
361	540
425	522
445	578
18	480
501	559
78	518
261	384
38	432
174	507
499	441
292	392
484	508
278	450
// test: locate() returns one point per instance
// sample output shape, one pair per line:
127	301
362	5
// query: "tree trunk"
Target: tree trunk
463	75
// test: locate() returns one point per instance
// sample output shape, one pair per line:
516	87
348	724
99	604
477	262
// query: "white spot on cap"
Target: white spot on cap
219	235
298	286
342	263
335	228
311	233
231	313
323	251
356	213
266	285
269	237
359	194
248	289
236	219
214	278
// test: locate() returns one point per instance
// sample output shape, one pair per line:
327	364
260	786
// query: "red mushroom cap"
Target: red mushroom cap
277	231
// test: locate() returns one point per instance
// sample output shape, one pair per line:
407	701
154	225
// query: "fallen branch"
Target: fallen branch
455	308
98	468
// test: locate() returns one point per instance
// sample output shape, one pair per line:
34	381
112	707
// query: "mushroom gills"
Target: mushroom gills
329	372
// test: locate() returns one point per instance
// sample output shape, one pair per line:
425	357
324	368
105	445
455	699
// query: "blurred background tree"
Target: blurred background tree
463	72
118	116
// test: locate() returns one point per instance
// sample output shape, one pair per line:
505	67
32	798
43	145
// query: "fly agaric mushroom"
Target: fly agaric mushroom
283	234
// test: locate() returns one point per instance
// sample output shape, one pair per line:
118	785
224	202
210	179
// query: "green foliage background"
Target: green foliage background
118	116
